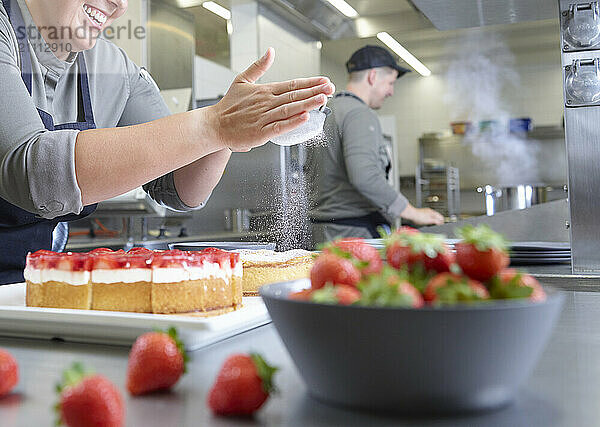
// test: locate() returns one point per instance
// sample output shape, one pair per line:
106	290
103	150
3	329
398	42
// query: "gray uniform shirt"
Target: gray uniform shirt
348	175
37	169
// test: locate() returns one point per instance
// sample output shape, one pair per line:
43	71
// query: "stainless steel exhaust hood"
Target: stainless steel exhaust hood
317	17
454	14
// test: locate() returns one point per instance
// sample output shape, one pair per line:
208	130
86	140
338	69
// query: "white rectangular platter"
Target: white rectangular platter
120	328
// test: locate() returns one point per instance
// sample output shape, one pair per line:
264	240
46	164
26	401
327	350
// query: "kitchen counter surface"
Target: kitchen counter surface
564	389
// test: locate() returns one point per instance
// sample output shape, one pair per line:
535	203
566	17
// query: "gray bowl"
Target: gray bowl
452	359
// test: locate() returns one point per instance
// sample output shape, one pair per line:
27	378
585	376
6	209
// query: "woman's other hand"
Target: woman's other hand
250	114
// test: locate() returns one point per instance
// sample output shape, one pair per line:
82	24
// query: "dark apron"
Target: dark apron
22	231
372	221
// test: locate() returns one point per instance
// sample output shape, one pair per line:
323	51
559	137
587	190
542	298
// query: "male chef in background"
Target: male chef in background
350	194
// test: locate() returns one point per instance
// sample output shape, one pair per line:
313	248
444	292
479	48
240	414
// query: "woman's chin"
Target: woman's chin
81	45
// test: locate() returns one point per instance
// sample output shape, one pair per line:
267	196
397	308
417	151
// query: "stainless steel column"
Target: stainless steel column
580	44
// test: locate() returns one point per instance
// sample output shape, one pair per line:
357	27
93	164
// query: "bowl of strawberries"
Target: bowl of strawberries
419	326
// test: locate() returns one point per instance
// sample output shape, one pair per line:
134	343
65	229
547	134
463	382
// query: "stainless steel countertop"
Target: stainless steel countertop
563	390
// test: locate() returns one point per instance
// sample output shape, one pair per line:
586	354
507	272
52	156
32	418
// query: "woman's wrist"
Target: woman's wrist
205	129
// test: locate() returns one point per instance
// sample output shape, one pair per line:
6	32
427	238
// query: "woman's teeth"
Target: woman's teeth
94	14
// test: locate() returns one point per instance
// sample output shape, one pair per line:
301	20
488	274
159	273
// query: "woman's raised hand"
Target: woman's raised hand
250	114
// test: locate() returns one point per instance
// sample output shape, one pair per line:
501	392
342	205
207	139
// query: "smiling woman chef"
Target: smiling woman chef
81	123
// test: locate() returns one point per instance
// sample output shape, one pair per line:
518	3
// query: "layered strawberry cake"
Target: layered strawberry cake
140	280
263	266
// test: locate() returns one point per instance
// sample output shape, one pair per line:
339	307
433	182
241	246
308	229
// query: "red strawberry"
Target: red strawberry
482	253
303	295
9	372
242	385
330	268
406	288
156	362
411	248
442	261
38	259
360	250
406	229
389	289
510	283
449	288
338	294
399	254
89	400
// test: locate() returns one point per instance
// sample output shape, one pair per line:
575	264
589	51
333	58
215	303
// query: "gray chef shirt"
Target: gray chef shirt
347	176
37	172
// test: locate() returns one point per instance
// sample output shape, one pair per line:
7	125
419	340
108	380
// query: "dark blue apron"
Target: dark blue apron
22	231
371	221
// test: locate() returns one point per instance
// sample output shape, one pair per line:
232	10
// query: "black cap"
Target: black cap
372	56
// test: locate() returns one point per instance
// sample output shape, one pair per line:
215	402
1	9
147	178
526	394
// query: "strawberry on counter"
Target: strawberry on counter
88	400
9	372
242	386
156	362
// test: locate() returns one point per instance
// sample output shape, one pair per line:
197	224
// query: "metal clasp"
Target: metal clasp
582	25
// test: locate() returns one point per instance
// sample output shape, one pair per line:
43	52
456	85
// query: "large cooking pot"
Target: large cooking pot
522	196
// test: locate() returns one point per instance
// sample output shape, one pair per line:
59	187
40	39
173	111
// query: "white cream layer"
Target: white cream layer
264	255
133	275
179	274
238	269
74	278
122	275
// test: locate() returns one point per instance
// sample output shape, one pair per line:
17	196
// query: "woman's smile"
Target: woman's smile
96	17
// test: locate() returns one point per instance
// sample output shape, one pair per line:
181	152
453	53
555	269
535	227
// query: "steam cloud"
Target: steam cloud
479	80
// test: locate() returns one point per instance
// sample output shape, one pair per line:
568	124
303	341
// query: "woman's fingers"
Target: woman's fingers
302	94
258	68
283	126
292	109
293	85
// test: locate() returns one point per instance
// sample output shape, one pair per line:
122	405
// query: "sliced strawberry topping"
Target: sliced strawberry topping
140	251
108	261
138	260
43	259
73	262
167	260
100	251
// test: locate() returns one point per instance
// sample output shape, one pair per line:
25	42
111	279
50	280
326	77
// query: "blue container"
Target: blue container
521	125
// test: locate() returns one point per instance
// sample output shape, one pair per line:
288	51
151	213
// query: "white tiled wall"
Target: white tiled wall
212	79
244	39
296	53
419	106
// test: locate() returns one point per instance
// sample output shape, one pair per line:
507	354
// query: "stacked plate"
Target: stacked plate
540	253
522	253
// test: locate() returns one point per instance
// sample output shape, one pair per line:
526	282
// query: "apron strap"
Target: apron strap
85	91
18	25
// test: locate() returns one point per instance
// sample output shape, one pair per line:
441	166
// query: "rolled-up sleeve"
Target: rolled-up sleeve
37	169
143	105
361	155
